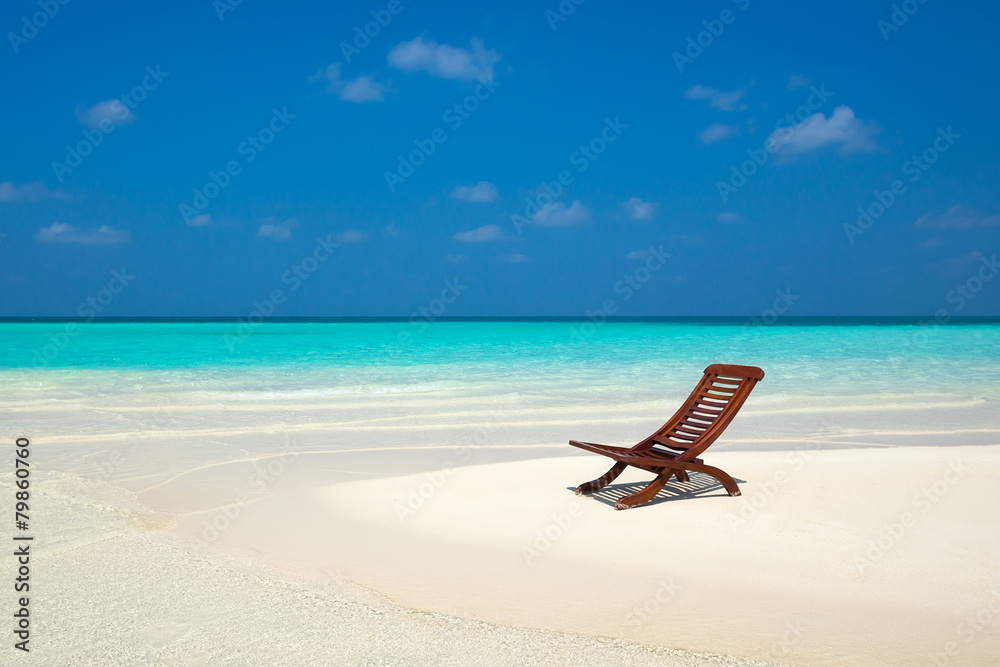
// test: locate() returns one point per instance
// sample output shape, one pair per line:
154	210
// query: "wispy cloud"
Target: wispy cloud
515	258
277	232
60	232
718	99
637	255
483	191
842	129
957	217
638	209
200	220
455	259
726	216
480	234
717	132
557	214
109	111
32	192
358	90
956	263
443	60
350	236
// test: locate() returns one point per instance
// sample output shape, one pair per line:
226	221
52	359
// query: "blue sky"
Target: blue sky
265	149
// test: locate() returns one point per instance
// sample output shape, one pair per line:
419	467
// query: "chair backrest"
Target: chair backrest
707	411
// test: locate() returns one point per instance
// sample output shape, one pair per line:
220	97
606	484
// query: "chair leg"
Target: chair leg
603	481
682	476
727	482
646	494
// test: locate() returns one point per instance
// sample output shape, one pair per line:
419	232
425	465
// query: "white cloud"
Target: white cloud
640	210
109	111
60	232
277	232
483	191
726	216
200	220
957	217
637	255
932	243
455	259
32	192
391	231
480	234
515	258
557	214
443	60
717	132
717	99
841	129
358	90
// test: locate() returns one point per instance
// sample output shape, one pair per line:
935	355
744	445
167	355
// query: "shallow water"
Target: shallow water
538	382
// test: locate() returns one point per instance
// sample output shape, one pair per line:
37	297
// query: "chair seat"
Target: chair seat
645	458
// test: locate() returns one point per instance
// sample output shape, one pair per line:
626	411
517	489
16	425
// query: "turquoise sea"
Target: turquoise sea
543	376
806	356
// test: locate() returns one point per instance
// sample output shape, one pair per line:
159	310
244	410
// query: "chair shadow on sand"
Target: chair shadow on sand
699	485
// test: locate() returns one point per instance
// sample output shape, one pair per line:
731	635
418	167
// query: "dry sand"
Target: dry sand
861	557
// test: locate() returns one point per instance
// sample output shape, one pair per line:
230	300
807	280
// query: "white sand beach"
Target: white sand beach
390	533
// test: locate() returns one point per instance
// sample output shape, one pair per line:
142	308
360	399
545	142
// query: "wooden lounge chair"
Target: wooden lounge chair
673	450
